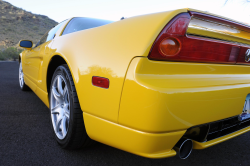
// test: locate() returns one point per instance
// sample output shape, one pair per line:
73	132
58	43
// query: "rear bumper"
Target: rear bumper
161	100
150	145
172	96
203	145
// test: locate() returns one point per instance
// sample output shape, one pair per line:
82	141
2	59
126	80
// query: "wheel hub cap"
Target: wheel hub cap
21	80
60	107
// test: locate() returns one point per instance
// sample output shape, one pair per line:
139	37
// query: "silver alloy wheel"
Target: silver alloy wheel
60	106
21	80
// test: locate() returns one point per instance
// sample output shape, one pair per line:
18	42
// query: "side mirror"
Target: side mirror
27	44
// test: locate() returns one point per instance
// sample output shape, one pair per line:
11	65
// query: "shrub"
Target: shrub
10	53
35	28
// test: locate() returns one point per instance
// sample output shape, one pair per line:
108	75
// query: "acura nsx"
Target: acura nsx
154	85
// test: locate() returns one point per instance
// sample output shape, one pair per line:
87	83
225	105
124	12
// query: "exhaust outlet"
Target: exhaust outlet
184	147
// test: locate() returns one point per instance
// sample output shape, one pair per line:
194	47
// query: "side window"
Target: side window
53	31
50	34
81	23
43	39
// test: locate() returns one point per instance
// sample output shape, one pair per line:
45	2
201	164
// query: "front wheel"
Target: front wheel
22	84
66	114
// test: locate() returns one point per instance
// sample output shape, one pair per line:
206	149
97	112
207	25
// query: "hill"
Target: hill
17	24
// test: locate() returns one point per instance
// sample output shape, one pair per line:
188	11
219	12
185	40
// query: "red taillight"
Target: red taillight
100	82
174	45
169	46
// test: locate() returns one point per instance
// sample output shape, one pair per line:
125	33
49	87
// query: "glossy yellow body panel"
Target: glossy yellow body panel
149	104
35	64
106	51
149	145
180	93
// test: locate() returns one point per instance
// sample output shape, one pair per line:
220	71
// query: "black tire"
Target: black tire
22	84
76	136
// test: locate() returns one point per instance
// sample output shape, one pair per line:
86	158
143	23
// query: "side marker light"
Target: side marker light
100	82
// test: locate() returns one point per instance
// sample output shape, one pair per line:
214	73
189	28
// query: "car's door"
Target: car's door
34	58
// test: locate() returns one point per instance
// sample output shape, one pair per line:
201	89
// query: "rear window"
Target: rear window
81	23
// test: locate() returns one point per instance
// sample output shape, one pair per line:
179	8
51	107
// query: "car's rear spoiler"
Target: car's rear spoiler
217	27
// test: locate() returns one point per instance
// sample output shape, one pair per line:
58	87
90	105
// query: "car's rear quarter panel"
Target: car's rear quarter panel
107	51
172	96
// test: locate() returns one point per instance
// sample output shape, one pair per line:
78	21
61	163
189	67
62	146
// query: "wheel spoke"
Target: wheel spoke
66	110
58	122
65	95
59	85
21	80
56	94
56	109
68	99
63	126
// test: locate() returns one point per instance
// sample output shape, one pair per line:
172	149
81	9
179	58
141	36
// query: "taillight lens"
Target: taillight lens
169	46
173	44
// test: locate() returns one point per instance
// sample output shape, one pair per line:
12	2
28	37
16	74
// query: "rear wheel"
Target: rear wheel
66	114
22	84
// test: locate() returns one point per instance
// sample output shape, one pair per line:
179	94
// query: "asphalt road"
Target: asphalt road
26	137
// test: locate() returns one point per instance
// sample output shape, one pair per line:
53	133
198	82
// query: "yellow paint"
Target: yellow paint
170	96
149	145
42	95
30	83
149	104
106	51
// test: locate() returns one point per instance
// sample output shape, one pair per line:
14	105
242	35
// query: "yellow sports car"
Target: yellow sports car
154	85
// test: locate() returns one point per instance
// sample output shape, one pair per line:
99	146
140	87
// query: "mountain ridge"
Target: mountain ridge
17	24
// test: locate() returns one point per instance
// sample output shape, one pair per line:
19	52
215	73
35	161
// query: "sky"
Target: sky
60	10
